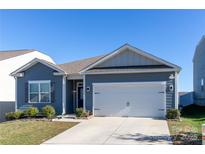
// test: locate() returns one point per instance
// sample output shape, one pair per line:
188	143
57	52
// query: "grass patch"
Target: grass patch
188	130
30	132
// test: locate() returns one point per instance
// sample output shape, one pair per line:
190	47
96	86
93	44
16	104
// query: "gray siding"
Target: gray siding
128	58
137	77
199	73
6	107
40	72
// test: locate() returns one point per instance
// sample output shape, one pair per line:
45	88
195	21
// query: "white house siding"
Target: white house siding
7	82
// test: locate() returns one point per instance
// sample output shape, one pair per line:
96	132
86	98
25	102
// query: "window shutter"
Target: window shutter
26	92
52	92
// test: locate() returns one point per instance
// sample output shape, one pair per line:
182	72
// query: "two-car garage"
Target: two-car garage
130	82
135	99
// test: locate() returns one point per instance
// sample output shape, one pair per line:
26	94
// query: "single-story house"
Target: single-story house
125	82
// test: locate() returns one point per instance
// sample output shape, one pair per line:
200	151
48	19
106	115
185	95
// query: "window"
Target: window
39	92
202	84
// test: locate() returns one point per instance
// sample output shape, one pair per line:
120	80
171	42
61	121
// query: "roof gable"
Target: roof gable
35	61
128	58
146	57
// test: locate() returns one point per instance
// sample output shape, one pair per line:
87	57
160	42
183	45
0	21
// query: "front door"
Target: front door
80	96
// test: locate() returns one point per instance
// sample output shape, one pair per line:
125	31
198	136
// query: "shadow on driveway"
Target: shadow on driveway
145	138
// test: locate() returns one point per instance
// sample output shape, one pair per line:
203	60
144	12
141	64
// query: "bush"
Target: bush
48	111
18	114
31	112
80	113
13	115
173	114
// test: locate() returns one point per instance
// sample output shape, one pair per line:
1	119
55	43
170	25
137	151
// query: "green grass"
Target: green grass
30	131
188	130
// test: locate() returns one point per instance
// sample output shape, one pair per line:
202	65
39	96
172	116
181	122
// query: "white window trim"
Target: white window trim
39	82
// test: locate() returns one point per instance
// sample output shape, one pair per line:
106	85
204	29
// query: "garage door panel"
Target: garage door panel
145	100
110	106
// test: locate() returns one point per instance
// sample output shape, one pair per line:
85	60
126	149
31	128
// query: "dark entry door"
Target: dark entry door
80	97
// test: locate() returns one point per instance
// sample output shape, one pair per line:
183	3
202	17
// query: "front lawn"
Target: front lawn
188	130
31	131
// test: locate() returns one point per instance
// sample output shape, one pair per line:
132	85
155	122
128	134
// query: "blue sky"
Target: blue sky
68	35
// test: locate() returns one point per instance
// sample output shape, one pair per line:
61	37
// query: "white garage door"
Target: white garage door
139	99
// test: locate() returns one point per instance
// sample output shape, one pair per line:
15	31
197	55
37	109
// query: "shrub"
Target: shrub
13	115
10	116
48	111
80	113
18	114
31	112
85	114
173	114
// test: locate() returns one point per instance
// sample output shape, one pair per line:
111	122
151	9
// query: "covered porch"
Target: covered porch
74	94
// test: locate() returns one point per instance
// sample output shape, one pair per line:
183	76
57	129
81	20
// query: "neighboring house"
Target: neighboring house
125	82
199	73
9	62
185	99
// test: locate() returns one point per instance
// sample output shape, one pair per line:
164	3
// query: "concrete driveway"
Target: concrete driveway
115	130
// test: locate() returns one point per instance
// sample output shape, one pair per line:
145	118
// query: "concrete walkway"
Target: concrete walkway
115	130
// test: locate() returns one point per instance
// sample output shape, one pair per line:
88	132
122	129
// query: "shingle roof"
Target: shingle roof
76	66
183	93
52	64
13	53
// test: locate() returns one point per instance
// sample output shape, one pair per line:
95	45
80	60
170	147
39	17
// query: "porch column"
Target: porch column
15	93
176	91
84	93
64	95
